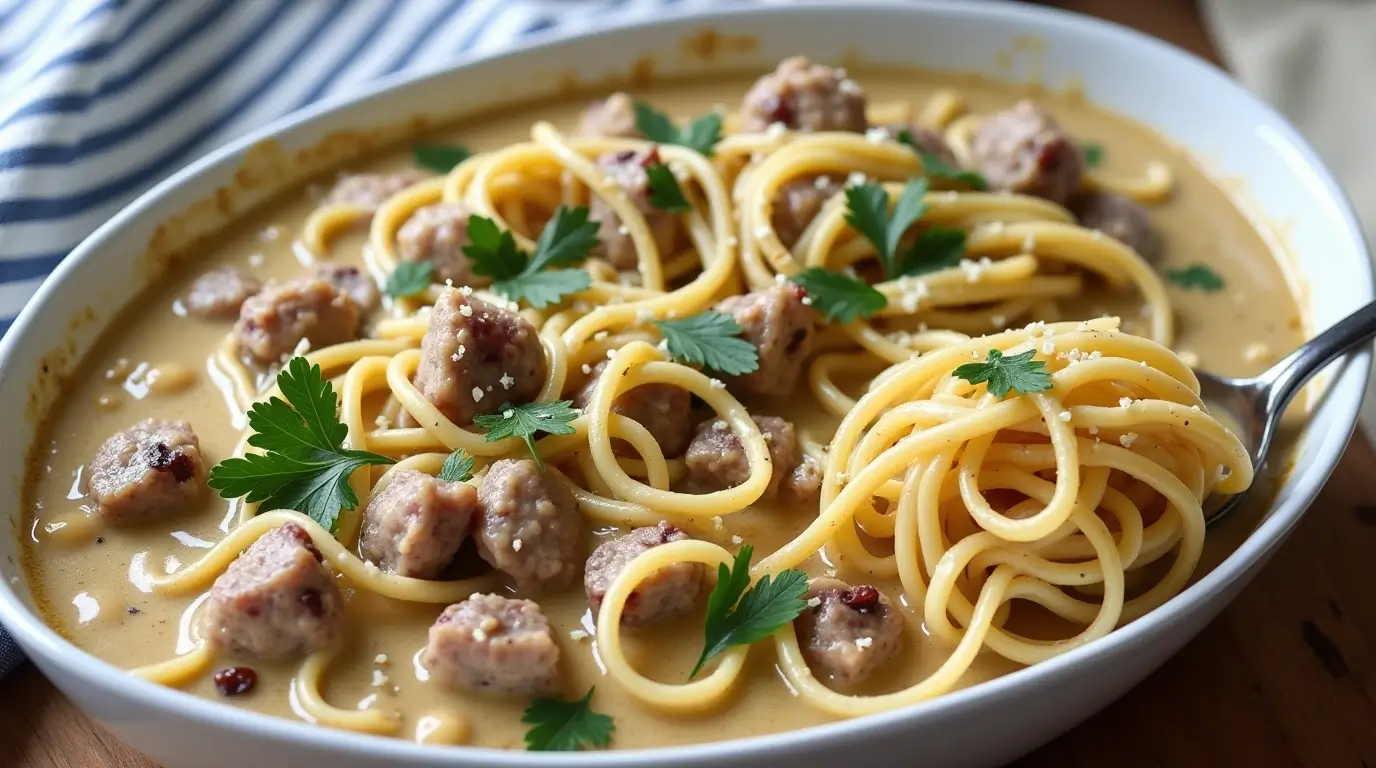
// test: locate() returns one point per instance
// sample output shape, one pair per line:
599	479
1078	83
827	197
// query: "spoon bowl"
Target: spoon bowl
1254	406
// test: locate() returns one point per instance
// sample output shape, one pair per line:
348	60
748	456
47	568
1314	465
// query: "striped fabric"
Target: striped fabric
101	99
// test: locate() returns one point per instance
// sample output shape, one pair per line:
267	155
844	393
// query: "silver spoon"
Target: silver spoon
1256	403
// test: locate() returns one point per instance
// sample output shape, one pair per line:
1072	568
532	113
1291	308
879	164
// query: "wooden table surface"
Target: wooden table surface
1282	678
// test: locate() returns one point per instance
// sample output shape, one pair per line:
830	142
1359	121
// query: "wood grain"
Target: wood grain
1283	678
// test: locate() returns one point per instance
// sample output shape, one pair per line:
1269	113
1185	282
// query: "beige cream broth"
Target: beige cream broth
89	579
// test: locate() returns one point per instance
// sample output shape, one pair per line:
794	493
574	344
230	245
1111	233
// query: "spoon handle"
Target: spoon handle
1285	378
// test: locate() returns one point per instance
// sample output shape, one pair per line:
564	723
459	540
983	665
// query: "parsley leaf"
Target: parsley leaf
867	212
1019	373
937	247
409	278
493	251
840	297
457	468
936	168
524	421
701	135
1196	276
738	614
519	276
440	158
566	726
1093	153
711	339
665	193
304	465
566	239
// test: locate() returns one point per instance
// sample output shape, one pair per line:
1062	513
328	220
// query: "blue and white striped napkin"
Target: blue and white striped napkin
102	99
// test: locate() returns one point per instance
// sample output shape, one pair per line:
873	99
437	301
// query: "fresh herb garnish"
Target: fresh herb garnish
1196	276
701	135
838	296
304	465
711	339
518	276
934	167
566	726
409	278
665	193
867	212
1019	373
440	158
936	247
1093	153
524	421
458	467
738	614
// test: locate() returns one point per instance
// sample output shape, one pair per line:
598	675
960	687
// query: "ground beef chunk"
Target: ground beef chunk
627	170
1024	150
1121	219
272	323
926	140
850	632
804	483
780	326
671	591
149	471
530	527
805	97
277	600
370	190
797	203
219	293
474	357
663	409
352	281
716	458
492	643
437	234
610	118
414	526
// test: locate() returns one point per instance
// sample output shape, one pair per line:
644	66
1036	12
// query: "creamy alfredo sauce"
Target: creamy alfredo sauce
92	581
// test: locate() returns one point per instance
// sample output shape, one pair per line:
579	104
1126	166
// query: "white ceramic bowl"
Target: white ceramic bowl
1188	100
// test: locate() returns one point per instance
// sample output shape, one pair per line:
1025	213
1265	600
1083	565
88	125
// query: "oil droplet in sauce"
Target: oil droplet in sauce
86	607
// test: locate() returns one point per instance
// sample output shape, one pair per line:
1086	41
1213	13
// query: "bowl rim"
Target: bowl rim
1345	392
